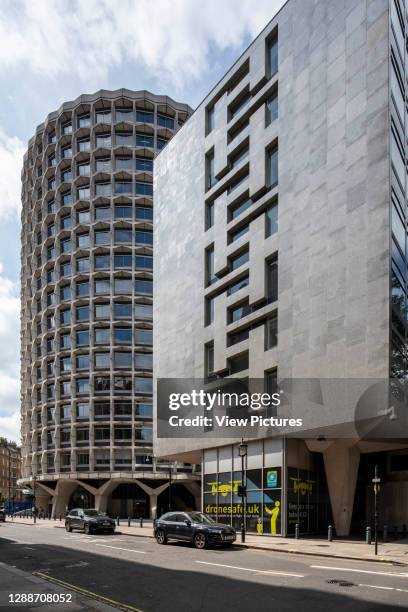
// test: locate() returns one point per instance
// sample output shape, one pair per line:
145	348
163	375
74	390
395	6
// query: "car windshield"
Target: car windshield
94	513
199	517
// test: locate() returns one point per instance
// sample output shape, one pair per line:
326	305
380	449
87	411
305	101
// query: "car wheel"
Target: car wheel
87	529
200	541
161	537
68	527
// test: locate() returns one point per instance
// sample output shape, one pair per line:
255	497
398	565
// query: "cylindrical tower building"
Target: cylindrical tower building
86	293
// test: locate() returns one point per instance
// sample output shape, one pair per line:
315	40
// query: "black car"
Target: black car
194	527
2	516
89	520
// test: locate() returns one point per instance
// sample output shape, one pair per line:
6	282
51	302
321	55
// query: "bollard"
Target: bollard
141	521
385	533
297	531
55	517
368	535
404	531
128	521
396	532
330	533
60	518
117	521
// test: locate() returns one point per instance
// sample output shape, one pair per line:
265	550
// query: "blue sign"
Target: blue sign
271	479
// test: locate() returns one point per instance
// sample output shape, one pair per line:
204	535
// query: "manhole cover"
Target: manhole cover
342	583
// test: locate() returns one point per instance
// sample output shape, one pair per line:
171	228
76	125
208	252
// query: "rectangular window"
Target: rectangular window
272	280
82	386
235	313
143	336
82	362
144	237
83	241
123	212
123	187
144	262
210	119
161	143
272	55
84	121
165	121
209	311
103	189
271	220
144	213
123	163
84	193
144	164
124	139
271	109
82	289
102	384
123	236
82	313
271	332
143	286
122	361
122	335
238	260
144	116
210	169
143	384
103	164
103	116
271	381
243	282
209	358
143	361
102	361
143	311
272	167
144	140
123	286
144	189
82	338
209	215
82	264
238	233
104	141
102	213
102	335
84	145
123	261
102	237
84	216
239	363
122	310
102	286
102	311
210	277
239	336
102	262
239	104
124	114
143	409
237	209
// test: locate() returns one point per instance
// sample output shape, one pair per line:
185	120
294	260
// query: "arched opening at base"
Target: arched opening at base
81	498
129	500
178	498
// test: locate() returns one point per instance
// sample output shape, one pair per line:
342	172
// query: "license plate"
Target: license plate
107	524
228	537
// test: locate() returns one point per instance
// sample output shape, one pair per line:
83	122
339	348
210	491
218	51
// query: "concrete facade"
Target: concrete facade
87	248
332	236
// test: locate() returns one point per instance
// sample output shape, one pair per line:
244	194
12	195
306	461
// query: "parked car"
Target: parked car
89	520
194	527
2	516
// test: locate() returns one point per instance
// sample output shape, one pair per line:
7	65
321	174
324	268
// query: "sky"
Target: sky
52	51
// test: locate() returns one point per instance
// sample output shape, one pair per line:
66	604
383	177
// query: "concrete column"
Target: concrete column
341	461
101	502
63	492
194	488
153	505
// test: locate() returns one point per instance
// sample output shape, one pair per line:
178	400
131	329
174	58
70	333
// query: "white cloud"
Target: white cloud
10	427
9	356
11	162
171	38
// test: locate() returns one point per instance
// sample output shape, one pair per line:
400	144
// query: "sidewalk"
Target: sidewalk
394	551
19	582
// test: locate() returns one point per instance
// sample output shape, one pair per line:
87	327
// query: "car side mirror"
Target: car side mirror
188	523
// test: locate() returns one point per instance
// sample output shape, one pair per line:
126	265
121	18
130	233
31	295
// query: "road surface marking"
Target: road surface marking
90	594
141	552
79	564
250	569
360	571
372	586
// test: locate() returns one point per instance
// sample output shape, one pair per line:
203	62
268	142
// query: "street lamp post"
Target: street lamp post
243	449
9	480
34	506
170	489
376	482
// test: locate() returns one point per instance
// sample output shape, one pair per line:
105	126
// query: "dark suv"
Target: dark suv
194	527
88	521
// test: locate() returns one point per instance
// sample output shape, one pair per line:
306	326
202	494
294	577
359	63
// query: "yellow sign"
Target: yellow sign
225	488
303	486
274	513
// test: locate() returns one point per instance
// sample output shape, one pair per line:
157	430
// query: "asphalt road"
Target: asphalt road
139	573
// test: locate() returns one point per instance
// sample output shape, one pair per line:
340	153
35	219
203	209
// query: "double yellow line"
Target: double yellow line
86	593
